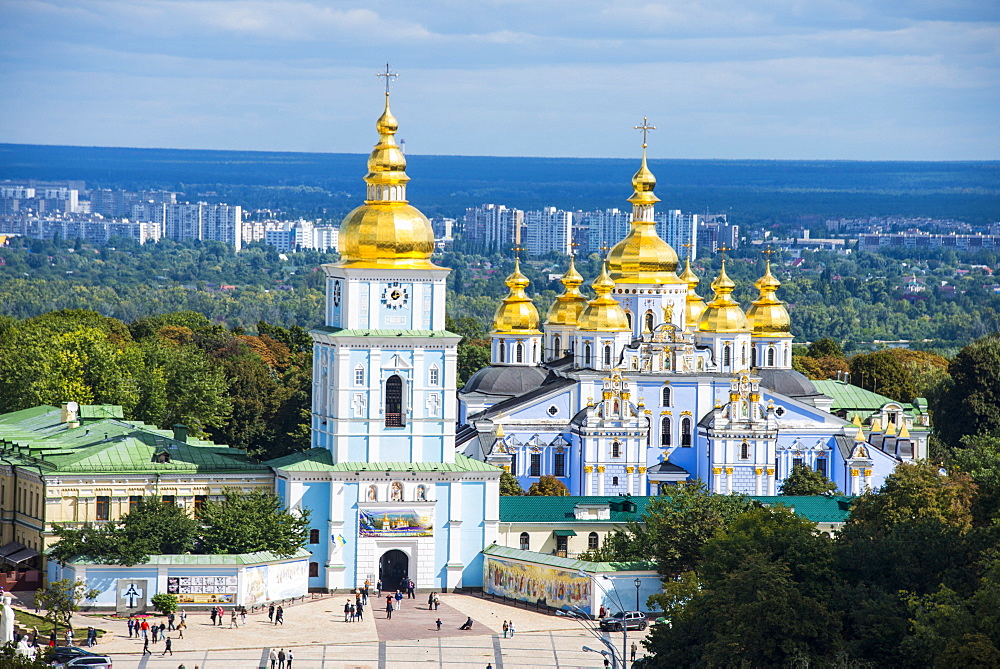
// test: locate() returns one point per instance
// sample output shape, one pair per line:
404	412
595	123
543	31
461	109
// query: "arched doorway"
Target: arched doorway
393	568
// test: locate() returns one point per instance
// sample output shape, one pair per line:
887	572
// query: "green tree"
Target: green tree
510	486
164	603
826	347
61	599
806	481
979	457
548	485
898	373
970	403
250	522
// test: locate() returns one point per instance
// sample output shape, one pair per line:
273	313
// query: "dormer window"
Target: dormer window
162	457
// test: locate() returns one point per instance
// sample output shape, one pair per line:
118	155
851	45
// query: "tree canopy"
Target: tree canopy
548	485
249	522
804	480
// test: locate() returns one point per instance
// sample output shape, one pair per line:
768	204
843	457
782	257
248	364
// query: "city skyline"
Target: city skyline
835	80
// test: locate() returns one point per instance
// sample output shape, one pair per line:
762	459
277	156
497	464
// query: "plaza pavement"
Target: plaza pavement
320	638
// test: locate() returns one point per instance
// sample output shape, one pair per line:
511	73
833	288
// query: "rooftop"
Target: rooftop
321	460
566	563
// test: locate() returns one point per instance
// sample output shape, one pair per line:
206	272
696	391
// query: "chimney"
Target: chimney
69	414
180	433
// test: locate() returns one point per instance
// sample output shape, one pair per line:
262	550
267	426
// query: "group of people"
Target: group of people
508	626
156	632
433	602
281	659
354	611
276	615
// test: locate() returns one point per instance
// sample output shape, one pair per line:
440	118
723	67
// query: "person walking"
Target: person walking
180	629
378	587
273	656
168	648
91	637
288	659
430	602
279	616
437	601
144	628
212	614
145	647
399	598
281	659
347	611
156	631
243	615
350	610
184	616
511	626
438	623
388	608
232	620
170	621
505	629
634	649
270	613
163	631
359	611
410	587
219	611
131	627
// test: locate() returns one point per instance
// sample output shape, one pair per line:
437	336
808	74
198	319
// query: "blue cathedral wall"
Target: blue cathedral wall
316	498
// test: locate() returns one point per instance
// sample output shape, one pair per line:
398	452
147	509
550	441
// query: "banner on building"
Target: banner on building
539	584
387	523
203	589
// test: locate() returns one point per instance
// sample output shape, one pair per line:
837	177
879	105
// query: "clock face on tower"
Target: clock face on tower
394	296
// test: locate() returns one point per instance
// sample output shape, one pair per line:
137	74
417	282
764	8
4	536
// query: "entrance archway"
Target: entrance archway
393	569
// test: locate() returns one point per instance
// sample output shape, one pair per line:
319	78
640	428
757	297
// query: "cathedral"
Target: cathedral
646	385
641	387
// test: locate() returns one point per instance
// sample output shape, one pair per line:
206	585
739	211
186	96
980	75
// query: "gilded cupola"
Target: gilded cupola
767	315
642	256
694	304
517	313
386	231
603	313
567	308
723	314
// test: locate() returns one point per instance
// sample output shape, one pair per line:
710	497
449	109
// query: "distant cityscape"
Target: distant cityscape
68	210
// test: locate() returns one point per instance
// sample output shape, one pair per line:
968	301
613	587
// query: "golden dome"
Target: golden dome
603	313
517	313
723	314
567	308
767	315
643	257
386	231
695	305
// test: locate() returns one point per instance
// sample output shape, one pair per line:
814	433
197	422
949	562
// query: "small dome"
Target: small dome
507	381
767	315
517	313
694	304
603	313
567	308
787	382
723	314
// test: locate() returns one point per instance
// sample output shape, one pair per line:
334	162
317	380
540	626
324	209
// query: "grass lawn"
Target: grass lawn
28	621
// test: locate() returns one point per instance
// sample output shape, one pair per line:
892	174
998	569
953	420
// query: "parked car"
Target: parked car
89	662
63	654
633	620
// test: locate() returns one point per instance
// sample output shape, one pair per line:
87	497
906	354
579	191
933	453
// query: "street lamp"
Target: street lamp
638	582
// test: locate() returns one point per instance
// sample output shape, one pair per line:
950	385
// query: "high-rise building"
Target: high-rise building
680	230
547	230
492	227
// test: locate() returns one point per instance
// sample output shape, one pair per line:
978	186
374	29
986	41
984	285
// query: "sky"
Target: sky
730	79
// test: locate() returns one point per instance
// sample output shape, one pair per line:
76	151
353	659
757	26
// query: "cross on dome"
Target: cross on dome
645	127
389	76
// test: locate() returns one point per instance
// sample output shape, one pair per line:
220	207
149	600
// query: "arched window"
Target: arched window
586	354
665	432
753	357
770	357
313	569
649	321
394	401
314	536
607	355
534	351
628	319
359	375
666	396
686	431
501	346
616	449
592	542
556	346
520	352
786	356
525	543
727	356
744	451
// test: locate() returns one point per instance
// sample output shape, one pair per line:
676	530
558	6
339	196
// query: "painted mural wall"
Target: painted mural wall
558	588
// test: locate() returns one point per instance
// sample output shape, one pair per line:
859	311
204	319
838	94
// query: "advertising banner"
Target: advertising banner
388	523
203	589
537	584
287	580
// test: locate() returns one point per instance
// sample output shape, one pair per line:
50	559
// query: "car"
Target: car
633	620
63	654
89	662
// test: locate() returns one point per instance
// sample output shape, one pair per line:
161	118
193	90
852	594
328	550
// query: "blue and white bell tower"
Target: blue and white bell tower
389	499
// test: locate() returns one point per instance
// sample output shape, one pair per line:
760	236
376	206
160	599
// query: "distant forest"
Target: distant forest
328	185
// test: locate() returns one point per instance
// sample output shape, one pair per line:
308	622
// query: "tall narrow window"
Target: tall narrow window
797	462
743	358
665	432
686	431
753	357
520	352
821	466
314	536
616	449
359	375
536	464
586	354
649	321
556	346
666	396
434	376
744	451
628	319
524	542
592	541
770	357
394	401
513	464
103	508
727	356
607	355
501	346
314	569
133	502
560	464
199	503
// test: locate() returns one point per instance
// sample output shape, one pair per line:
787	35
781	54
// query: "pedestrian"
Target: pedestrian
170	621
467	625
145	647
607	663
131	627
347	611
437	601
505	629
270	613
219	611
634	649
184	616
489	665
388	608
212	615
430	602
438	623
279	616
180	629
399	599
52	637
91	637
273	656
281	659
364	591
288	658
243	615
602	613
410	587
511	625
69	636
144	627
232	620
378	587
350	611
359	611
168	648
357	601
156	630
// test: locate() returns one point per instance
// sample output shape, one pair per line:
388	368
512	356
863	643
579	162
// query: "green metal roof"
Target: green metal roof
38	437
101	411
566	563
341	332
232	559
321	460
559	510
862	402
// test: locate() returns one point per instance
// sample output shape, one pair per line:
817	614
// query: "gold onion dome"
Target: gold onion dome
643	257
723	314
567	308
517	313
695	305
603	313
386	231
767	315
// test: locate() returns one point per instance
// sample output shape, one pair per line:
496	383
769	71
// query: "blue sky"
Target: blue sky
840	79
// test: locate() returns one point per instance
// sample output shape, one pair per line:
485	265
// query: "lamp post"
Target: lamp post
638	582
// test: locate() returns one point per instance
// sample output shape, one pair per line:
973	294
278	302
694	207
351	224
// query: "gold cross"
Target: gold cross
389	76
645	127
572	245
688	247
722	250
516	249
604	250
768	252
